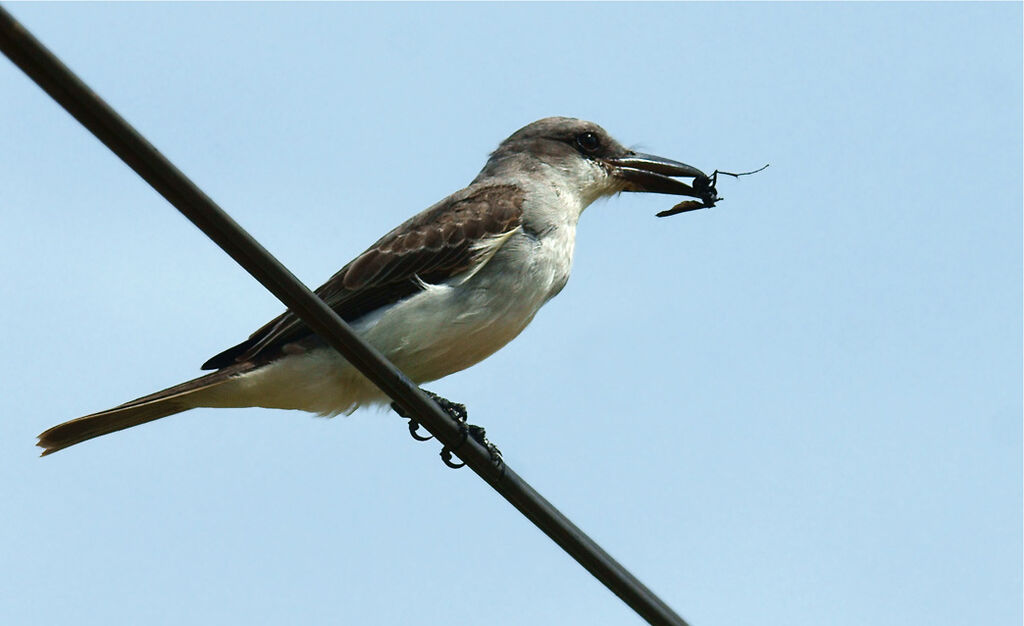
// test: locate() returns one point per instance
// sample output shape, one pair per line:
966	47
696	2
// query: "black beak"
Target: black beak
654	174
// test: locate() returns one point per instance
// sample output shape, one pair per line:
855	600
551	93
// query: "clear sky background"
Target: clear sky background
802	407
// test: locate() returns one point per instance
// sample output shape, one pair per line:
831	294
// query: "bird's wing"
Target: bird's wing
434	246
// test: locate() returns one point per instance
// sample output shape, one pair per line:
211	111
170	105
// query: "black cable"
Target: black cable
81	102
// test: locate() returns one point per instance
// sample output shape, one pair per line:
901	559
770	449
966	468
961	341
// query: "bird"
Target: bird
441	292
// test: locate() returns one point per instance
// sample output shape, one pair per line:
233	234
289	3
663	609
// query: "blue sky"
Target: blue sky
800	407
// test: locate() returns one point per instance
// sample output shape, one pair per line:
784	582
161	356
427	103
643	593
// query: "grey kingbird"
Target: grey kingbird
440	293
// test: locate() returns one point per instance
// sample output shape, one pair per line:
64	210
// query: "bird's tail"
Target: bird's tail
187	395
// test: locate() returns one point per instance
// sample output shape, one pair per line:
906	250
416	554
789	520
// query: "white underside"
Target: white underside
438	331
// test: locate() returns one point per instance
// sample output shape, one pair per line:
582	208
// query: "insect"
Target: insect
705	187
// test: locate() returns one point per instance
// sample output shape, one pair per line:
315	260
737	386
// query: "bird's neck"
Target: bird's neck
554	198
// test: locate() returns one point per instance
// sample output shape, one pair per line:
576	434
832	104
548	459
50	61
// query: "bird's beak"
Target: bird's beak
654	174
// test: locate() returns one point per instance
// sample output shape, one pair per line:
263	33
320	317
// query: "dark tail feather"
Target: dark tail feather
183	397
84	428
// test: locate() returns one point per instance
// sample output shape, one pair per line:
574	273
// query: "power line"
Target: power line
83	104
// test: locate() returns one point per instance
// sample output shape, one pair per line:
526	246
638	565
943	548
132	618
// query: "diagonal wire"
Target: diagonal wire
83	104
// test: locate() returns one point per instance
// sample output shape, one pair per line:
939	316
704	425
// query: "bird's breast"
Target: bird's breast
552	258
449	327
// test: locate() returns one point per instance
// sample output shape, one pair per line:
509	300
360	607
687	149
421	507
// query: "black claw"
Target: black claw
479	435
414	428
446	457
446	452
458	413
454	410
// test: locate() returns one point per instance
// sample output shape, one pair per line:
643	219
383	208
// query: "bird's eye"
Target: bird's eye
588	142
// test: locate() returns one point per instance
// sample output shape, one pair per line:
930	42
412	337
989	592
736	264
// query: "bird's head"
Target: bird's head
589	160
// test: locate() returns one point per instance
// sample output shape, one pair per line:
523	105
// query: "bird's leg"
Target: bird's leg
457	412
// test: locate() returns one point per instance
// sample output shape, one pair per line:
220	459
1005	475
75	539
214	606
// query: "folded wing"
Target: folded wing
434	246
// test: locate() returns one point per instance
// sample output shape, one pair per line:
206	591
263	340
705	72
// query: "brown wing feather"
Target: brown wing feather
433	246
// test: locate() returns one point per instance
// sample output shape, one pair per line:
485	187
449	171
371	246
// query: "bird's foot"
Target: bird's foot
458	413
454	410
479	435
